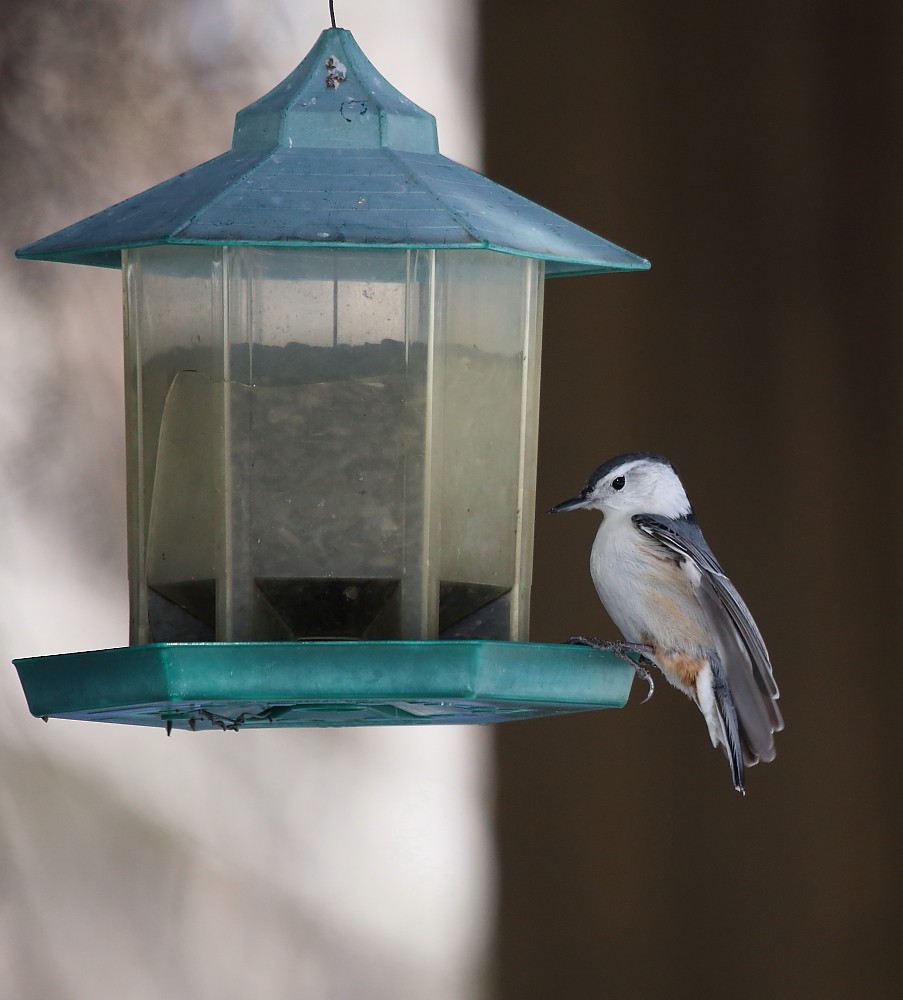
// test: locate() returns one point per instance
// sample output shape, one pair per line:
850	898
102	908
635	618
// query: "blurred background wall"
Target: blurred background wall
754	154
281	865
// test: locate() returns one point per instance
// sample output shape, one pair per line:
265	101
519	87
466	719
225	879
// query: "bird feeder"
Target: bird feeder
332	344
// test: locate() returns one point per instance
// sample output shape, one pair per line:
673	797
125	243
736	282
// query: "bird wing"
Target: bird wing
741	648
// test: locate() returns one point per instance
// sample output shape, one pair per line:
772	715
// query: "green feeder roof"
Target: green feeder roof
334	156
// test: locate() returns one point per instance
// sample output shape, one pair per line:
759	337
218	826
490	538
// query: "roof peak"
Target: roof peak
335	98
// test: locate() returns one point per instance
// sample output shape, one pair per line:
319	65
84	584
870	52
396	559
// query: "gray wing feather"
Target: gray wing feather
740	645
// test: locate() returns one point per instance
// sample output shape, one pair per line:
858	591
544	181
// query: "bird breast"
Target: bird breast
647	592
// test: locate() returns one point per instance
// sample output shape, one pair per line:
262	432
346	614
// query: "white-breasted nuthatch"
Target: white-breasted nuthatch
663	588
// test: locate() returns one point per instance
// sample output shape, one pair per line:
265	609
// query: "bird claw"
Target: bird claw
621	649
644	675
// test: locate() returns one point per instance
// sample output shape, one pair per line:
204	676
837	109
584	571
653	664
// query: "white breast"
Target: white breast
647	595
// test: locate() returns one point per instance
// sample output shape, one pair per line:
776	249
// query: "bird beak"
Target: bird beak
575	504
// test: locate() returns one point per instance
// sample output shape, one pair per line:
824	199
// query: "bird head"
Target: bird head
636	483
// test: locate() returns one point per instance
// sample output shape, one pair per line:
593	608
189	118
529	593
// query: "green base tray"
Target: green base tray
272	684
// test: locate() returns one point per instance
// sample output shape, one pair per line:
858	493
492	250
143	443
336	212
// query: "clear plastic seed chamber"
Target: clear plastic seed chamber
330	444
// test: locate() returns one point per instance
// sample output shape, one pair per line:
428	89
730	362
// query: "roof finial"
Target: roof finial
332	12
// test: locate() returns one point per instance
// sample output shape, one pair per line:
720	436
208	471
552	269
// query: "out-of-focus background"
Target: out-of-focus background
322	864
754	154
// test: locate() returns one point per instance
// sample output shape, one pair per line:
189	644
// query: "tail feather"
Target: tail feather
746	674
726	711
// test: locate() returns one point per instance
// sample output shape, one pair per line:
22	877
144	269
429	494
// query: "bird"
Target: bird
664	589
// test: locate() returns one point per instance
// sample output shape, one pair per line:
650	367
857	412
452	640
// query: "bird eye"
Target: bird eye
618	483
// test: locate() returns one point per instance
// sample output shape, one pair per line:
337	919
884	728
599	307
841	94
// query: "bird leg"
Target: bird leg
621	649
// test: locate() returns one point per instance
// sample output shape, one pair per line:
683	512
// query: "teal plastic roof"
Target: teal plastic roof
334	156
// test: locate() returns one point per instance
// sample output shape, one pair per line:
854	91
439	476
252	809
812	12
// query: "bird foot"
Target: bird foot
621	649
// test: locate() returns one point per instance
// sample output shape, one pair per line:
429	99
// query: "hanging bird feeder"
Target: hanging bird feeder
332	374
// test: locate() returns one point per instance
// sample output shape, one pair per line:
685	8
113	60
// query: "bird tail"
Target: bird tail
729	724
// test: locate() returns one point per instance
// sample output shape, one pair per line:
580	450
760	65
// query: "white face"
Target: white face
638	486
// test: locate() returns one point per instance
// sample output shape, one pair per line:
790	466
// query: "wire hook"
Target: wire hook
332	12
